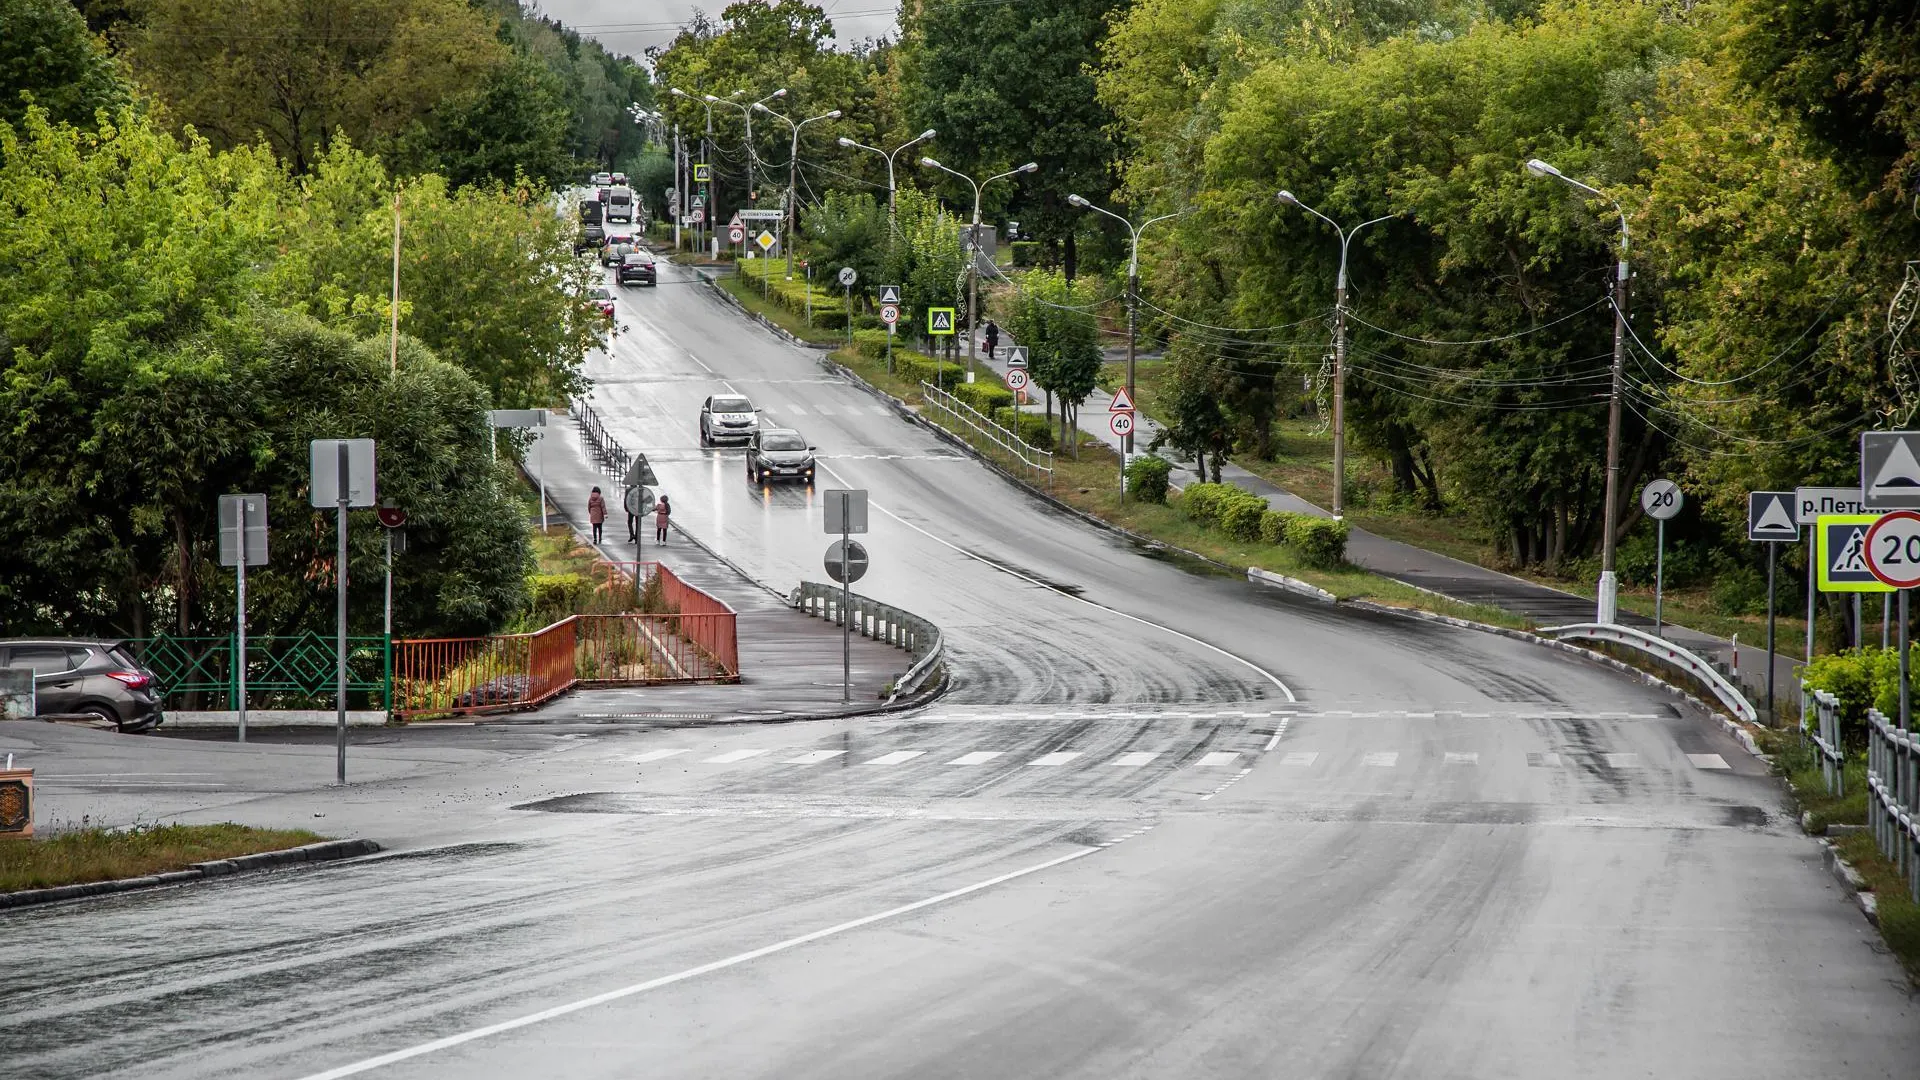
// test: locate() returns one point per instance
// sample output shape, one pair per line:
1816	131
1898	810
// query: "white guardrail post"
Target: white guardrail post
1893	795
1664	650
993	431
882	622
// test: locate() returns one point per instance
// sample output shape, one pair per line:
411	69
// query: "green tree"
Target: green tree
1053	317
847	230
515	124
46	54
924	257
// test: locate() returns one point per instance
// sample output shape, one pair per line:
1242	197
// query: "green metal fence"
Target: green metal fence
285	672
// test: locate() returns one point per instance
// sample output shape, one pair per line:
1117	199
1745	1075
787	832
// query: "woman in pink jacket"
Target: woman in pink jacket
596	512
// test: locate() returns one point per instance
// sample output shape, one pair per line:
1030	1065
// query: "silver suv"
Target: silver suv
87	677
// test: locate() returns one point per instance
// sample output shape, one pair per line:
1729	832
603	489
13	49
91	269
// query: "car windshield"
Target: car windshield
731	404
783	442
598	293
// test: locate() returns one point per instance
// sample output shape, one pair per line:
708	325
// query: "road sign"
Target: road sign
736	233
324	462
1120	423
760	215
940	321
702	173
848	275
698	202
1893	549
517	418
848	566
1122	401
698	217
391	516
889	314
1016	356
846	510
1811	503
766	240
1890	470
1840	554
243	524
1016	378
1770	516
639	473
1662	499
639	501
890	294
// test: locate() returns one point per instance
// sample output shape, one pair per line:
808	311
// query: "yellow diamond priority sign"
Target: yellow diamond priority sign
766	240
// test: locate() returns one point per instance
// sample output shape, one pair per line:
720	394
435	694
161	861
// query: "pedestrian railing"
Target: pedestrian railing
1825	736
595	438
1667	652
881	622
978	428
1893	795
288	671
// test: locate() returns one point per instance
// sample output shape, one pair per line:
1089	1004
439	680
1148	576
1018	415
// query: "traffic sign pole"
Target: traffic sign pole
846	619
1773	558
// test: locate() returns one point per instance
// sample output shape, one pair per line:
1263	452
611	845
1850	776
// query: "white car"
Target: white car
727	418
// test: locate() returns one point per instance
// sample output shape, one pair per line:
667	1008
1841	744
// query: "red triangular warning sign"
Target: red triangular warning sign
1122	401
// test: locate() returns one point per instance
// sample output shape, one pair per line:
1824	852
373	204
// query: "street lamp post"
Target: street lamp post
1339	350
891	192
1133	300
705	157
793	171
973	245
1609	584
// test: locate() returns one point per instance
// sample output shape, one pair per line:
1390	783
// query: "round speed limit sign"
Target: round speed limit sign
1893	549
1017	379
1662	499
1121	423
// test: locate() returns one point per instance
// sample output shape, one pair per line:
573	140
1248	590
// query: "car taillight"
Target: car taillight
135	680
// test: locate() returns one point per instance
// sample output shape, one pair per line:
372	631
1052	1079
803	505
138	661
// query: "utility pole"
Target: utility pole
393	352
792	215
1133	298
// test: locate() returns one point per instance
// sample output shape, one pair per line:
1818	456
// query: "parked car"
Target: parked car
616	251
600	300
619	179
779	454
601	179
78	676
729	417
636	268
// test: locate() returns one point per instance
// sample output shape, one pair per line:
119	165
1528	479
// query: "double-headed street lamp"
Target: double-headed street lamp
1609	584
916	140
973	243
705	151
793	170
1339	349
1133	291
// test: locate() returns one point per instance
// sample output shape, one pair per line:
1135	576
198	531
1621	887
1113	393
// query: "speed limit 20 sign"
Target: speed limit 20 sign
1893	549
1016	378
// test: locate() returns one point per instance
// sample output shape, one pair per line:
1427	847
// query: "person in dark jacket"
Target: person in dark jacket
992	333
596	513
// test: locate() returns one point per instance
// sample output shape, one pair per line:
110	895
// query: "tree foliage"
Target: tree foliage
47	56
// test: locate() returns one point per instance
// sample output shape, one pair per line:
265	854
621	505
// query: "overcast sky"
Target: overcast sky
629	27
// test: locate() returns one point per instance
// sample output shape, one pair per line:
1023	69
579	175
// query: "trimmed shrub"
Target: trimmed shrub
984	396
1032	428
871	344
1147	478
1319	541
1201	502
917	368
1240	514
1273	527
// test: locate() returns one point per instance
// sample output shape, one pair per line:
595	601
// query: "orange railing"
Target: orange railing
697	641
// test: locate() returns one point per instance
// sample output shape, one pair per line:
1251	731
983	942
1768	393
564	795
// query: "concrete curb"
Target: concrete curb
1292	585
326	851
1850	879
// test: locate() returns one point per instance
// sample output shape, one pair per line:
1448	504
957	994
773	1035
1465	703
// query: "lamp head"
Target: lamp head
1075	200
762	106
782	92
676	91
927	134
1287	197
1031	166
844	141
834	115
1541	168
710	97
929	163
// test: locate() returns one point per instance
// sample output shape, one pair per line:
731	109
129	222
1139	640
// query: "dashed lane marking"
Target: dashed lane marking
1467	758
732	756
895	758
1543	761
1241	775
1621	761
656	755
1385	759
1708	761
813	757
978	757
1220	757
1059	757
1300	758
1133	760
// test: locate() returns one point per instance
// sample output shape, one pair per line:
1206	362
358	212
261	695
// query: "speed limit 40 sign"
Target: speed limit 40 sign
1893	549
1120	423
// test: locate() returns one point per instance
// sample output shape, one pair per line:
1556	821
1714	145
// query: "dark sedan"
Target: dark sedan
636	268
779	454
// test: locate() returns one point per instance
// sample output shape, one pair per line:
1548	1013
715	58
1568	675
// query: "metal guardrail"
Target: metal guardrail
994	432
1664	650
882	622
1825	736
1893	795
283	671
595	438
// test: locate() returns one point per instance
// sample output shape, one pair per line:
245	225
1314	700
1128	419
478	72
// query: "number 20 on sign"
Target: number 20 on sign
1893	549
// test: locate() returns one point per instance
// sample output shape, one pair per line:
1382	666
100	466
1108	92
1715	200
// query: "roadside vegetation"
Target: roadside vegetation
78	856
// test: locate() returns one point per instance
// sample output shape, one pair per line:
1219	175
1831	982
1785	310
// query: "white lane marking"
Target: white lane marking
789	408
813	757
1471	757
824	410
1419	716
450	1041
1059	757
1220	757
1279	730
1005	569
657	755
978	757
1543	761
1708	761
1300	758
732	756
895	758
1133	760
1237	777
1383	760
1622	761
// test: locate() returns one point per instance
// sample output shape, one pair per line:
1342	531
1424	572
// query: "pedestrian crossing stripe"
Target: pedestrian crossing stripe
1134	759
1840	563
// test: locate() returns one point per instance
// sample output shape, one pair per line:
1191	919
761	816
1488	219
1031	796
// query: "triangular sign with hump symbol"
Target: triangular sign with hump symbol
1770	516
1900	472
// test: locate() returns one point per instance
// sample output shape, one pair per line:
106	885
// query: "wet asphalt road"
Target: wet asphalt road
1166	825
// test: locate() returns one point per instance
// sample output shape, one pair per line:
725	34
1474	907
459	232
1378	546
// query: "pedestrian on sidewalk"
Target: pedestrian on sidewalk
596	512
993	338
661	512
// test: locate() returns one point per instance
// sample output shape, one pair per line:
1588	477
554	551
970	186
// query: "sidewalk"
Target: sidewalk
1430	570
789	662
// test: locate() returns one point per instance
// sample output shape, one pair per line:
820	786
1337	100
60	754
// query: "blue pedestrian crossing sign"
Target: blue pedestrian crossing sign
940	321
1770	516
1840	554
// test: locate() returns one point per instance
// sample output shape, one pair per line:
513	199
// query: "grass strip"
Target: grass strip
82	856
1899	916
745	291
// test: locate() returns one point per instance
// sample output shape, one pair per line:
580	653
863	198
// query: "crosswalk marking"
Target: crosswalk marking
1622	761
813	757
1469	758
1543	761
978	757
823	410
1384	760
1060	757
896	757
1300	757
1133	760
732	756
1220	757
1708	761
796	410
656	755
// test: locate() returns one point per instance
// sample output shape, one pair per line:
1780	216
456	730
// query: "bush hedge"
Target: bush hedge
1032	428
984	396
1147	478
1861	679
919	368
871	344
1242	515
1322	542
829	309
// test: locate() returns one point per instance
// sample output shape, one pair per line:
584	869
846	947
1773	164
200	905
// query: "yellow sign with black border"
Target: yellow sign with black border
1840	554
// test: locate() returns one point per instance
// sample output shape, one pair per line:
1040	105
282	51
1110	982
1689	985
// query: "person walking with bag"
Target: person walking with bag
596	513
661	512
992	333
